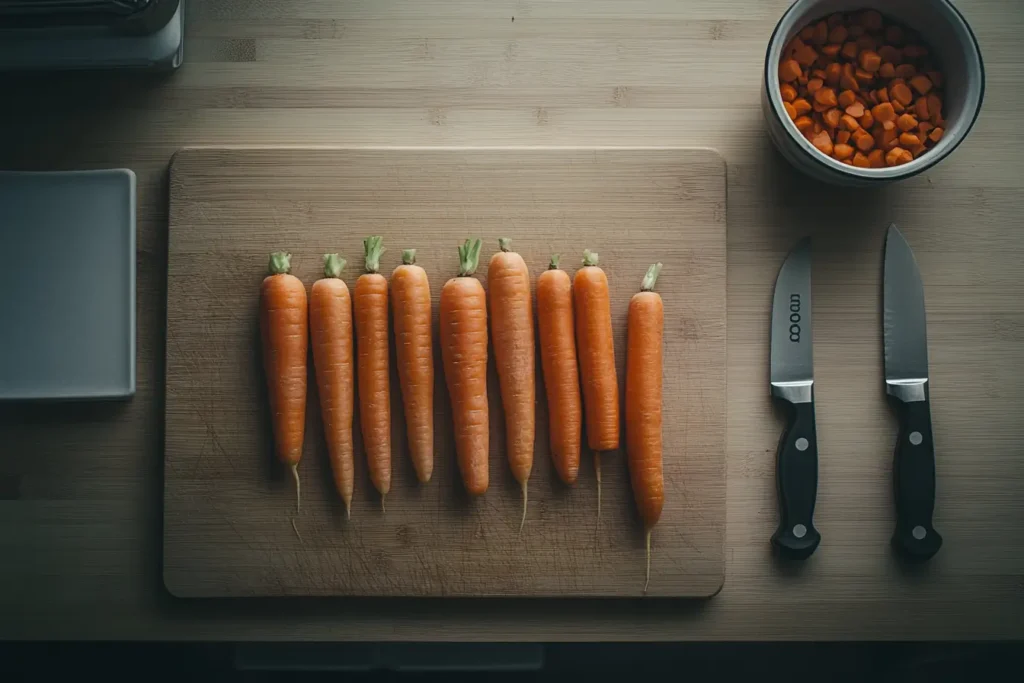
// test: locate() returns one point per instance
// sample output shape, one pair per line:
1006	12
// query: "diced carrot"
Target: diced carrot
838	34
823	142
883	112
803	123
898	107
788	92
921	108
831	50
789	70
869	61
901	93
936	134
848	122
864	77
856	110
888	125
923	128
921	84
883	95
807	32
863	140
790	110
801	106
805	55
886	70
890	54
826	96
935	77
918	150
906	71
814	85
906	122
876	158
820	35
849	51
833	73
867	120
831	118
846	98
843	137
909	140
856	30
897	156
934	108
842	151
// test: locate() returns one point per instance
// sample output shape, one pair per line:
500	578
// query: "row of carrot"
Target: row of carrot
351	354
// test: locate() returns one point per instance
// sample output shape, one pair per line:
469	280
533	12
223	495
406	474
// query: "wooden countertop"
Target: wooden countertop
80	485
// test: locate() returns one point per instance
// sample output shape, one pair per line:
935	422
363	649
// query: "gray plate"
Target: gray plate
67	285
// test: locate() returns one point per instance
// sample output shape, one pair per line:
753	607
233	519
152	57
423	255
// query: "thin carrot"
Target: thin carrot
511	309
644	329
596	345
330	322
371	314
414	346
561	371
464	351
284	328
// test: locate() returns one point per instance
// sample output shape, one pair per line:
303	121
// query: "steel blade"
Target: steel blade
904	333
792	359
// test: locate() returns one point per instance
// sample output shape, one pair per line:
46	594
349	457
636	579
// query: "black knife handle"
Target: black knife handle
913	478
797	477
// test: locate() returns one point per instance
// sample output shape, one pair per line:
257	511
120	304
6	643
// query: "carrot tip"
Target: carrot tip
298	489
650	278
280	263
555	258
409	257
522	522
647	543
333	265
469	257
374	248
505	243
590	258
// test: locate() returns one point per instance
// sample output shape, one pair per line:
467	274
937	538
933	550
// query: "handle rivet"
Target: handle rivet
918	531
802	444
916	438
800	530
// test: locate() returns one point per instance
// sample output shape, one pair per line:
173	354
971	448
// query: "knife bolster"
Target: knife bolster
794	392
907	390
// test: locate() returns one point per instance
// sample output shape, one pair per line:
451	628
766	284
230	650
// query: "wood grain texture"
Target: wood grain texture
227	507
81	486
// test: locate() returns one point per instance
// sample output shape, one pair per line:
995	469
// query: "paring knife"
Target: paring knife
906	382
792	381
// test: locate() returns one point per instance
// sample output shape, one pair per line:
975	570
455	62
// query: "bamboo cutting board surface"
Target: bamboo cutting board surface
228	504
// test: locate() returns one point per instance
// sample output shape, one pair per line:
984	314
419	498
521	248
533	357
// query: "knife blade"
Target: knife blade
905	343
792	383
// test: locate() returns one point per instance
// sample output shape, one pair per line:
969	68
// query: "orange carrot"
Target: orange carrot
593	311
561	372
464	351
644	329
414	345
371	308
284	328
330	322
511	310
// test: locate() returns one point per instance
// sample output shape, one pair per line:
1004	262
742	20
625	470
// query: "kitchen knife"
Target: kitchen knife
906	382
792	382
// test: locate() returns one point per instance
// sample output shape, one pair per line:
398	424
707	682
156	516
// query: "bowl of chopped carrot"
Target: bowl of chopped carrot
861	93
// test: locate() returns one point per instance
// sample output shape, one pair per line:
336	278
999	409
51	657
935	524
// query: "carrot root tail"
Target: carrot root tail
383	508
295	528
597	470
298	489
647	543
522	522
348	510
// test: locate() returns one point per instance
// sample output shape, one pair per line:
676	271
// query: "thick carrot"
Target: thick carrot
414	345
644	330
284	327
511	304
561	372
371	308
597	360
330	323
464	351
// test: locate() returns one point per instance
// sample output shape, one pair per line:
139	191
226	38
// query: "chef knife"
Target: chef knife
906	382
792	383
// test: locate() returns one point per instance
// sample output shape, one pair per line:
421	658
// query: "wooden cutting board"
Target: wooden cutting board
228	505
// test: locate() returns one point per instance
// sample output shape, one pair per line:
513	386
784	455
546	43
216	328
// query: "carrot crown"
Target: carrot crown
469	257
374	247
505	243
554	261
333	265
409	257
589	258
280	263
650	278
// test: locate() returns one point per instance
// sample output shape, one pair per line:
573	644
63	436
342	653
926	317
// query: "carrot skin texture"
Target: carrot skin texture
284	328
596	348
561	371
371	313
511	312
643	404
330	321
410	292
464	352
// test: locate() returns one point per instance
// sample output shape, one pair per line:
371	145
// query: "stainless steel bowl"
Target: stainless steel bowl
948	37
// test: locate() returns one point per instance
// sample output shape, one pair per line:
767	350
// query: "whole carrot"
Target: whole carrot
410	294
597	360
330	322
508	285
644	330
464	350
371	308
561	372
285	331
